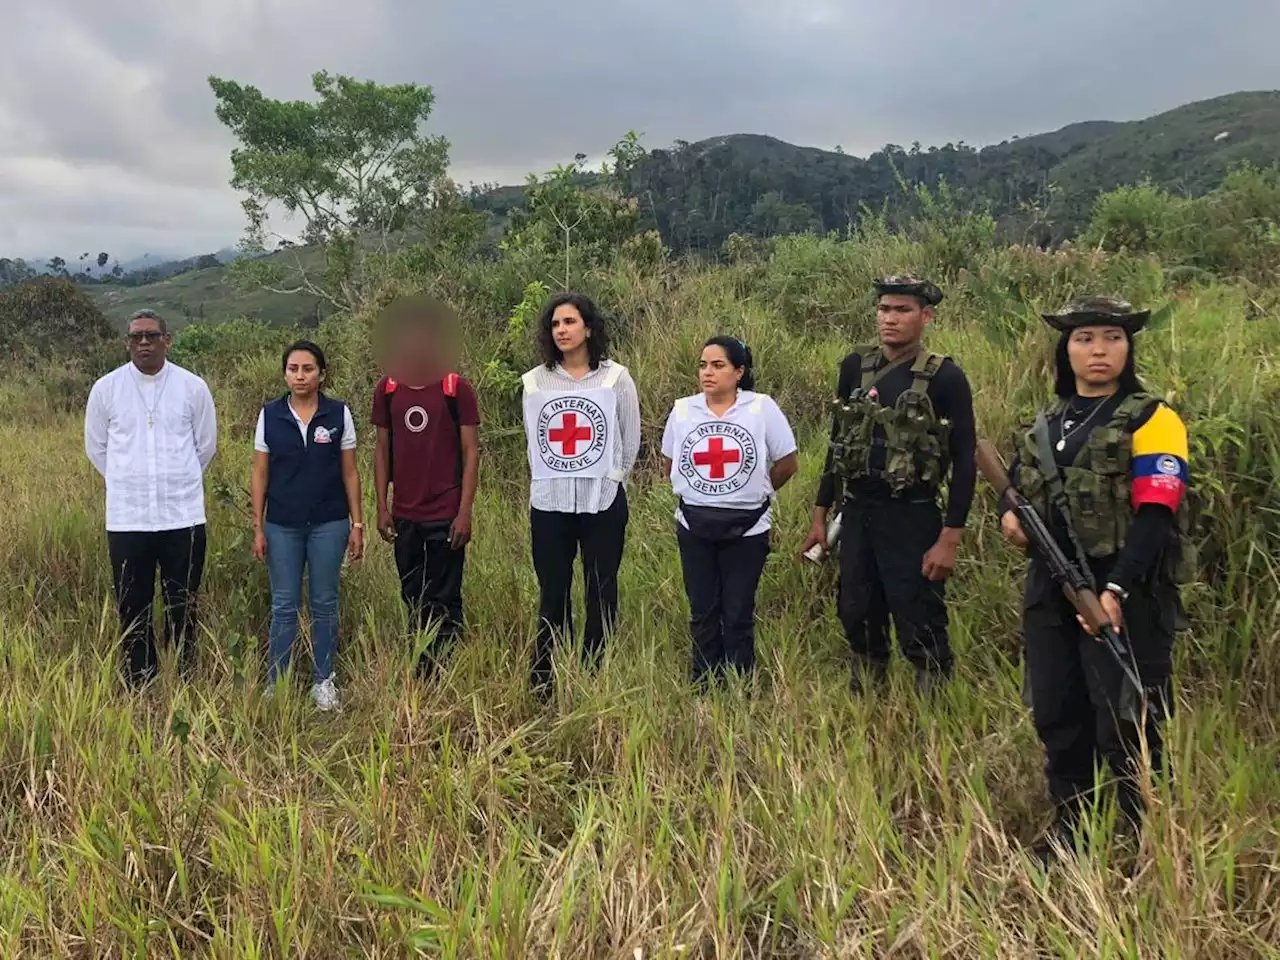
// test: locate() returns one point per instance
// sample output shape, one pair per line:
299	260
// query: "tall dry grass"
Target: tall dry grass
632	817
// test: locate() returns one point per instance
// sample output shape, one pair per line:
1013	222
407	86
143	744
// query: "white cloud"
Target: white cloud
108	137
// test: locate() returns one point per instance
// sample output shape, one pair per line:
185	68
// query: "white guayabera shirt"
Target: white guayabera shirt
151	438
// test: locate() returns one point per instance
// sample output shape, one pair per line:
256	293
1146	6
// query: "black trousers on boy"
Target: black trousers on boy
882	546
1075	691
557	538
720	580
179	555
430	584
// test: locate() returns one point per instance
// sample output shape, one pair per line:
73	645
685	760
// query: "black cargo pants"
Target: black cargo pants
1075	690
882	546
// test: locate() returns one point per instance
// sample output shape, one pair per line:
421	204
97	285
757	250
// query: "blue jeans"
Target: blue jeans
320	548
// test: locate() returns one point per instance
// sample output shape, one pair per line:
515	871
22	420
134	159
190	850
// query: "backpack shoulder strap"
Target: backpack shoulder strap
530	384
924	369
450	385
871	376
757	404
682	409
612	375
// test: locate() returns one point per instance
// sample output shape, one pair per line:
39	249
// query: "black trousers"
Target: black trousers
430	583
1075	690
720	580
557	537
882	547
179	555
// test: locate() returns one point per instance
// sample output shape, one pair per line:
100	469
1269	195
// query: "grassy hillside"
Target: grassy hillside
206	296
632	817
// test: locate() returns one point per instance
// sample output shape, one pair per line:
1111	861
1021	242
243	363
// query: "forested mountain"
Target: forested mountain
1040	188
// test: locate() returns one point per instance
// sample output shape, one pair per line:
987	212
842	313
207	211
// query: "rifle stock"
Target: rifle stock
1075	586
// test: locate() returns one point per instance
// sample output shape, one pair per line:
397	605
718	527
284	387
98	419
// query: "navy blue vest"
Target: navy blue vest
304	481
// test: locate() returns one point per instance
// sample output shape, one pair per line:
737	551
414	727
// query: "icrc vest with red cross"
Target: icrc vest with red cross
571	433
721	461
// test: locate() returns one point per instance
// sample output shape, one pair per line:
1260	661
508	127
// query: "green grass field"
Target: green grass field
631	817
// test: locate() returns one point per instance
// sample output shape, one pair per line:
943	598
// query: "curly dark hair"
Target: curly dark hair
597	343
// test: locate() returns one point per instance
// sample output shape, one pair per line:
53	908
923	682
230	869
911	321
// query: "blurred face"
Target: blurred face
568	329
419	351
900	319
302	373
1097	354
716	374
148	346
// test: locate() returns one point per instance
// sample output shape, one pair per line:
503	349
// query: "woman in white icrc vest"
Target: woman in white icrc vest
582	422
727	451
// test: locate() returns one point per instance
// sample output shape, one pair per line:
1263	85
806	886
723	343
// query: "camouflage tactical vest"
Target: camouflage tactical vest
1097	485
913	436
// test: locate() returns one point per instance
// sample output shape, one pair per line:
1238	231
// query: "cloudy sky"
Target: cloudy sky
108	139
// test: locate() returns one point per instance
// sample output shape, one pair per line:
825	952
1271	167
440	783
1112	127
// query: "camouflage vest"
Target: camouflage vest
914	437
1097	485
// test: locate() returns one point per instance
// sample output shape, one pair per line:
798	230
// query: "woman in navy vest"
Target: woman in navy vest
306	484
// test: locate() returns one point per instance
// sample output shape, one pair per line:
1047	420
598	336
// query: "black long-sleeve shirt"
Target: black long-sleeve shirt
952	399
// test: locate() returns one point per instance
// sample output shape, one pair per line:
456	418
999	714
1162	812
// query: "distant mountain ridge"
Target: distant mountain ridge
1040	188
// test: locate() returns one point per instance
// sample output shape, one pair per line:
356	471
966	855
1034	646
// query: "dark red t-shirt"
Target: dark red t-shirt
424	485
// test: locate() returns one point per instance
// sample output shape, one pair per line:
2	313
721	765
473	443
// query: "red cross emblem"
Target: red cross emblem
569	434
716	457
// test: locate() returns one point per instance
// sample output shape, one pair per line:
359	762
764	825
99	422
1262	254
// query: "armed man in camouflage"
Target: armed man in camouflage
903	421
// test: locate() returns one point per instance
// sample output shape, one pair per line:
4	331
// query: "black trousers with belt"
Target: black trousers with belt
1075	690
557	537
720	580
882	546
179	555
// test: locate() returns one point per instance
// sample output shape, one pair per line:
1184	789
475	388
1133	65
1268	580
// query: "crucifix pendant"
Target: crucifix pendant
151	421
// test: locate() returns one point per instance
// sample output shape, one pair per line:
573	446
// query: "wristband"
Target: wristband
357	526
1119	591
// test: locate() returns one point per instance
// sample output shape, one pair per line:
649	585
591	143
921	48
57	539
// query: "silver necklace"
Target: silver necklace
162	382
1064	431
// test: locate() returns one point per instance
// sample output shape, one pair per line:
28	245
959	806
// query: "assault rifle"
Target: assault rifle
1076	584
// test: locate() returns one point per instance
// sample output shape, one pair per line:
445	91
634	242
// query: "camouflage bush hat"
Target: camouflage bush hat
1098	312
912	285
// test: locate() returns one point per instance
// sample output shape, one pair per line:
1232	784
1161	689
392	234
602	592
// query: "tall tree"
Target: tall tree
354	164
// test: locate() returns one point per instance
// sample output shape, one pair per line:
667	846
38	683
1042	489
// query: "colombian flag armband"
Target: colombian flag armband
1160	471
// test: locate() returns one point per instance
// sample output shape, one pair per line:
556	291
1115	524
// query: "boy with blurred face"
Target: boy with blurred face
426	464
903	421
150	431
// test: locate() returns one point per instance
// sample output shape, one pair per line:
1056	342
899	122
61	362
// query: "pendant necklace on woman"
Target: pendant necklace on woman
1067	427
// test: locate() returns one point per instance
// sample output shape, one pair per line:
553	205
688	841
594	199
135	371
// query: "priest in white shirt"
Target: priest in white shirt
150	430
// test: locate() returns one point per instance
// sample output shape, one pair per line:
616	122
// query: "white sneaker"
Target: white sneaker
325	694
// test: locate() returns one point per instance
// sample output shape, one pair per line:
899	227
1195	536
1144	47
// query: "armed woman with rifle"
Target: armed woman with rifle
1107	467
